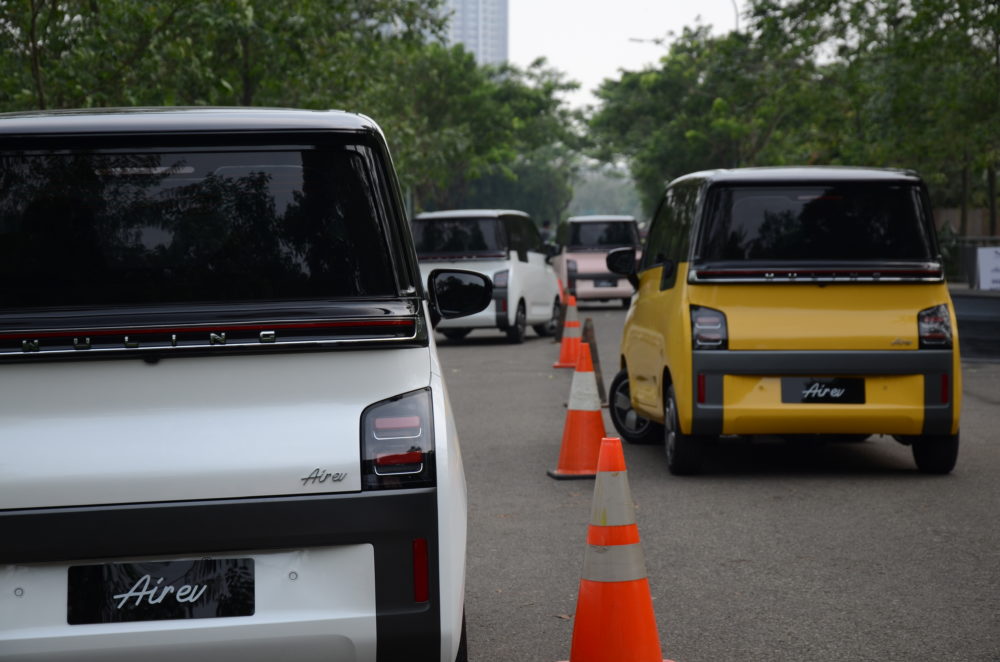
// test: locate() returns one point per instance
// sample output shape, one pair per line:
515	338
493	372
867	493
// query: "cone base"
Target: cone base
562	475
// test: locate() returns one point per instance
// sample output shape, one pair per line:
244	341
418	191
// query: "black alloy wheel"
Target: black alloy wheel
515	333
632	427
549	327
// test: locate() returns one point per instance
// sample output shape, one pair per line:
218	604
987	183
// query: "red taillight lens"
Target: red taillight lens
421	571
397	442
708	328
934	327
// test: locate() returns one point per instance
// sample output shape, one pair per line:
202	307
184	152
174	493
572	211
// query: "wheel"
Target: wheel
632	427
549	327
935	455
683	450
455	334
515	333
626	302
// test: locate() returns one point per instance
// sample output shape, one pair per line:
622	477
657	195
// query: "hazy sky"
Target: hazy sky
590	40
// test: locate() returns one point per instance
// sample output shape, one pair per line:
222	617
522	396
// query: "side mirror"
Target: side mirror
621	261
457	293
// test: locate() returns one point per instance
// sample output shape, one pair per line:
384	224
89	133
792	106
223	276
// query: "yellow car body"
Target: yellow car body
795	334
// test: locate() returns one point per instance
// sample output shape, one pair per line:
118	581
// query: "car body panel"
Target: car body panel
311	604
203	427
530	276
592	280
256	426
820	329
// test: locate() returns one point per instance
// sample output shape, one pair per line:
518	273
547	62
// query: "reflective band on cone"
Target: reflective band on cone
569	349
614	612
584	428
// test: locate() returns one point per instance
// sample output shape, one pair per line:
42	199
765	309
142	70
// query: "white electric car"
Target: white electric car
504	245
224	429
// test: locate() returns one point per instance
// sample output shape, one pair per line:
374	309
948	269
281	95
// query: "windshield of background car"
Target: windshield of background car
177	226
600	235
458	237
851	221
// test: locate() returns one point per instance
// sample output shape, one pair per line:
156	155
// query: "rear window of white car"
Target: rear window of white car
86	228
458	237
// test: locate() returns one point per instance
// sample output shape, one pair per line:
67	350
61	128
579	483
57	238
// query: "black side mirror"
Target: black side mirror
621	261
457	293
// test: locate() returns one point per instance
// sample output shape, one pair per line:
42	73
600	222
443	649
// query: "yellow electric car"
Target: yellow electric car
788	302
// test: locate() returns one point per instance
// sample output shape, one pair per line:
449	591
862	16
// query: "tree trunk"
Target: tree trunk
991	188
963	225
34	50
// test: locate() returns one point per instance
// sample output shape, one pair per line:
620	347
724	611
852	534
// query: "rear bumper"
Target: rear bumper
585	287
382	525
907	392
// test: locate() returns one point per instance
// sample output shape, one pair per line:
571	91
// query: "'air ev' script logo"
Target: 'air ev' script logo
817	391
320	476
154	594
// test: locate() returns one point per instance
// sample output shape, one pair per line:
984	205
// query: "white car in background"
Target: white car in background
226	435
504	245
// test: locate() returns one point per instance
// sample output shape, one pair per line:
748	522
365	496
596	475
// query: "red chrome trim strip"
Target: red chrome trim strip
207	327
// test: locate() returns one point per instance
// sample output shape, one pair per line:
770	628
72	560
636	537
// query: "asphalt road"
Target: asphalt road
776	553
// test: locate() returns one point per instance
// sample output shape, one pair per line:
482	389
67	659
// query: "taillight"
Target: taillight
708	328
397	442
500	278
934	327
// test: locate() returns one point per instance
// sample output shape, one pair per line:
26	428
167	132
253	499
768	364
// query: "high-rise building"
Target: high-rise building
480	26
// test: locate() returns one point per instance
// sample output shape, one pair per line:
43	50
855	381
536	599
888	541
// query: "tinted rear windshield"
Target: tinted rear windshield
843	222
199	225
601	235
458	237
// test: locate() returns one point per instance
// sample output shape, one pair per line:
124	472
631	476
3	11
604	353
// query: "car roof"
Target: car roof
804	174
469	213
592	218
179	120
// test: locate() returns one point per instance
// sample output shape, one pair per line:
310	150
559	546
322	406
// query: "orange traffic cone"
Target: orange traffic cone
614	611
584	426
569	349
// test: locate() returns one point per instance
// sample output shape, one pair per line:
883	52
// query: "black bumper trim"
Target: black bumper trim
715	364
389	521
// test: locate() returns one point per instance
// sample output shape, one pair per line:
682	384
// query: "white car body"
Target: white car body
530	278
125	451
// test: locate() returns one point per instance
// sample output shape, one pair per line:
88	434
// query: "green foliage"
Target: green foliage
460	133
896	83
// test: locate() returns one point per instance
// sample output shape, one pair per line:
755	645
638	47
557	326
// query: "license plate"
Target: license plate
605	282
836	390
160	590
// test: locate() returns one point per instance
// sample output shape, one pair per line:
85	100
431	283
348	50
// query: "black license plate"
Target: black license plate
808	390
160	590
606	282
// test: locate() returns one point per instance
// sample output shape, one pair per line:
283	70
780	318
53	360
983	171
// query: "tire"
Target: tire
683	450
463	644
455	334
626	302
632	427
549	328
935	454
515	332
